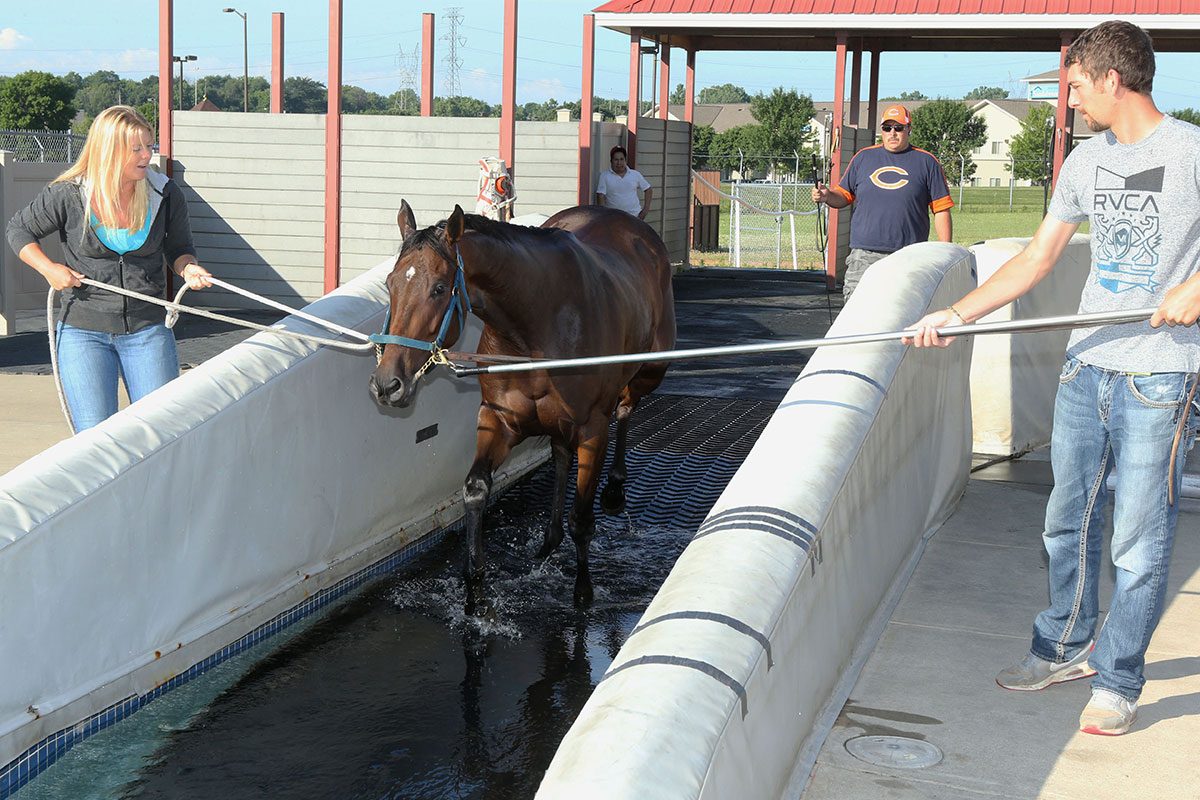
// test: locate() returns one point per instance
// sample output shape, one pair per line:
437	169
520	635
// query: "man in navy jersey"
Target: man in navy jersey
894	186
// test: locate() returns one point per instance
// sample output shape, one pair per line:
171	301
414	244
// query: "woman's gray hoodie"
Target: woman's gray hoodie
60	208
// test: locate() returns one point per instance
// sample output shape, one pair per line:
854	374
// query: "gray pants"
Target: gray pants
856	265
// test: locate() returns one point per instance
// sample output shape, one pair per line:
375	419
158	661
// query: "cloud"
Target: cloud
10	38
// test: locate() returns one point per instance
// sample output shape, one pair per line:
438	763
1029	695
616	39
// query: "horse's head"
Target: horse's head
421	287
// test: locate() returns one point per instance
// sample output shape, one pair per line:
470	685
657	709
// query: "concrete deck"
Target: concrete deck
966	613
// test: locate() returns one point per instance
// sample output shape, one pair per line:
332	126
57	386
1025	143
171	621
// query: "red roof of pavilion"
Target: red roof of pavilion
901	7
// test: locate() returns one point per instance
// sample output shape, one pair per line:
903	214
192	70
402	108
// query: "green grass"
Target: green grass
983	215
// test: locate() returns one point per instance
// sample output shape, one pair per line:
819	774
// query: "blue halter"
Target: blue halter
460	306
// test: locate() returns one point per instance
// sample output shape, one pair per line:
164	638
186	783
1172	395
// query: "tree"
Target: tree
986	93
303	95
1187	115
949	130
460	106
913	95
730	147
678	95
784	116
36	101
702	142
725	93
1029	148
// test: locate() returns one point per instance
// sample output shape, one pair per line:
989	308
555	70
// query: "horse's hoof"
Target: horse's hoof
612	499
583	593
547	548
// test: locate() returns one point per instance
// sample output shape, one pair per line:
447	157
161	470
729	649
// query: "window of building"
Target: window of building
997	148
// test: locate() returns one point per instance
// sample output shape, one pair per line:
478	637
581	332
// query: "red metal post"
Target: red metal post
508	90
166	47
855	90
635	92
427	65
689	107
689	87
333	152
1062	125
873	95
585	111
277	62
835	156
664	82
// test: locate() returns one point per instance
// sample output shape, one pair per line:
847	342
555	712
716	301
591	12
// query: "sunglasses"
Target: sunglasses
888	128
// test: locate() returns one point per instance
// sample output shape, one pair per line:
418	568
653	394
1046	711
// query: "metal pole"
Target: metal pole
245	69
1015	326
962	173
1012	177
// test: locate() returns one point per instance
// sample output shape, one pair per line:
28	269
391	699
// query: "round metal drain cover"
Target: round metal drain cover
894	751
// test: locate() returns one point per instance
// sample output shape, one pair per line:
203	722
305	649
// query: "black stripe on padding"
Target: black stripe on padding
852	374
760	518
711	616
690	663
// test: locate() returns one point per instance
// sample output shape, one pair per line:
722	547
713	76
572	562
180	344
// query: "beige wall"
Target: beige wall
666	167
256	188
256	193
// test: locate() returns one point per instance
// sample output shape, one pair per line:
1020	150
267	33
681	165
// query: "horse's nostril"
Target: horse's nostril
392	387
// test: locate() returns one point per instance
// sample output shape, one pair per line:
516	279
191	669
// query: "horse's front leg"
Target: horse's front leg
492	446
562	475
612	499
582	520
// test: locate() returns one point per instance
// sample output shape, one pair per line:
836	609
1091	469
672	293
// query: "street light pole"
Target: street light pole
181	59
245	60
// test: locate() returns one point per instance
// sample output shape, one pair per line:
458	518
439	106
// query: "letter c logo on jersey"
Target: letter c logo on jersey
880	178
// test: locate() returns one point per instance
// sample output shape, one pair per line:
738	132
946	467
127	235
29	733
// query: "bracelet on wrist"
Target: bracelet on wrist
956	313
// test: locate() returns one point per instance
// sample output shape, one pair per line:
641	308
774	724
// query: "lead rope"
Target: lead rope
173	309
1179	428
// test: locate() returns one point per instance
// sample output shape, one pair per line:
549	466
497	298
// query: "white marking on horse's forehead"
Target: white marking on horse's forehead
408	276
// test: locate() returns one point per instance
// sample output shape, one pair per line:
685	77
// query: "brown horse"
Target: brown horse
591	281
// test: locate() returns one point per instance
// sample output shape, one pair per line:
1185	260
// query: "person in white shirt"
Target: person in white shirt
618	187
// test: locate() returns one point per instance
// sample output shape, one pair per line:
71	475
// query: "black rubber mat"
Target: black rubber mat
682	451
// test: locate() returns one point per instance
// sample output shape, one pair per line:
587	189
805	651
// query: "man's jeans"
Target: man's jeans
857	262
1102	420
90	362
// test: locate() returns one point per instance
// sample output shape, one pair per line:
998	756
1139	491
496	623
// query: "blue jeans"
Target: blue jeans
1102	420
90	362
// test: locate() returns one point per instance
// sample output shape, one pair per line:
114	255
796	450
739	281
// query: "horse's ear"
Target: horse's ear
455	225
406	220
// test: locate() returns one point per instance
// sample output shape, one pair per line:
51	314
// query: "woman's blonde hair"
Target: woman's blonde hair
101	162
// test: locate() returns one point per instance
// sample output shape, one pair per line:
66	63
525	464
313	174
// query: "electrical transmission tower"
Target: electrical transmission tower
408	66
453	60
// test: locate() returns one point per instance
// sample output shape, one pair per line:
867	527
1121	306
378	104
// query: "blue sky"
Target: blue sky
85	35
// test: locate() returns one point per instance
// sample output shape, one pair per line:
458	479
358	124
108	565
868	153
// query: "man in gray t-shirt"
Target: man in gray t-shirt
1125	393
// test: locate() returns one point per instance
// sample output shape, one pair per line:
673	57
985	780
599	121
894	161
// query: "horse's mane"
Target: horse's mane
434	236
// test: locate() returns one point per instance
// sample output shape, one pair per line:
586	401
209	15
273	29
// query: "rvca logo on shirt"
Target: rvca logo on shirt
883	180
1125	227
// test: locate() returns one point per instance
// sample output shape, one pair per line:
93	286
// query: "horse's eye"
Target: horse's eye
439	289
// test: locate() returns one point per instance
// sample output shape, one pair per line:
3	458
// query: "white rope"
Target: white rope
199	312
173	309
740	201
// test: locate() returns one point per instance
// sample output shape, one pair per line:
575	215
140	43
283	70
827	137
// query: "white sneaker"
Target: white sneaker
1107	714
1034	673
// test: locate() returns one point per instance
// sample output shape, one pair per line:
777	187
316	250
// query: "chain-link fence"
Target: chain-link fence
765	229
42	146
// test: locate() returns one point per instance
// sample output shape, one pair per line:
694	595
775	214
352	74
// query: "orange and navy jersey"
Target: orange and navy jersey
893	194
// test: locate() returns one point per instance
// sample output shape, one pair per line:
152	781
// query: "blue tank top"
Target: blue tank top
120	240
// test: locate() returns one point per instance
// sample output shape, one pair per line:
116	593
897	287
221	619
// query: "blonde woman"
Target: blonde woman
119	223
